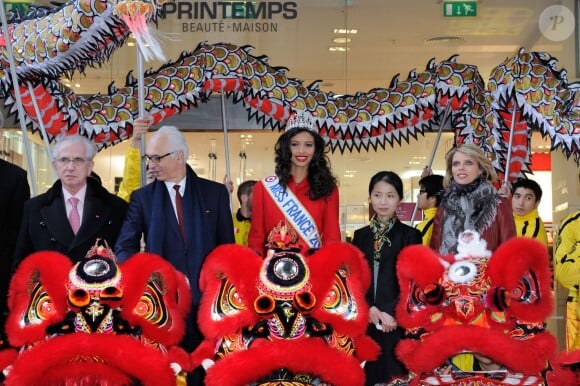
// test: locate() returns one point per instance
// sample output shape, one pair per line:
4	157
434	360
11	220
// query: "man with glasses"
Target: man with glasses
75	211
181	217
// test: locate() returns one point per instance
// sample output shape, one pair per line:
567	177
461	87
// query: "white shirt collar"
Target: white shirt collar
181	183
80	195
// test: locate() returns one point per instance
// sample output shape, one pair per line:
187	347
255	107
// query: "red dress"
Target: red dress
266	215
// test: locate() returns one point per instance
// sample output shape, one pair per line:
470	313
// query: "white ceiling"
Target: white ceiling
391	39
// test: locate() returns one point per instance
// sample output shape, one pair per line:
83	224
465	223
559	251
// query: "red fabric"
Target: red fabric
565	369
501	229
310	356
50	270
266	215
431	271
116	360
142	268
524	356
324	265
519	266
541	162
336	271
224	261
510	263
38	299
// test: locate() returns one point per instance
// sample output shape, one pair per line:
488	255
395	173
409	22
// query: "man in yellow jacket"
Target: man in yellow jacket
567	273
428	199
243	217
526	196
132	169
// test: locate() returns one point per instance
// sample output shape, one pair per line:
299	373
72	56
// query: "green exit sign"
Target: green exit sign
459	8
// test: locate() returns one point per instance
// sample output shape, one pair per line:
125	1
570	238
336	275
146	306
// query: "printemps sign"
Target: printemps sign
230	16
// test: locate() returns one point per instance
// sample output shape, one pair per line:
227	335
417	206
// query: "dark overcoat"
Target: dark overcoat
45	224
387	295
14	191
208	223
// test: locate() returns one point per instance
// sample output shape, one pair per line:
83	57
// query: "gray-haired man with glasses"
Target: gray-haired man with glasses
75	211
181	216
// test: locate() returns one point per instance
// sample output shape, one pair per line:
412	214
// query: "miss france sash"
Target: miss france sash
293	210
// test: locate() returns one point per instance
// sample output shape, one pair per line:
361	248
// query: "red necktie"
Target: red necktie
74	218
179	207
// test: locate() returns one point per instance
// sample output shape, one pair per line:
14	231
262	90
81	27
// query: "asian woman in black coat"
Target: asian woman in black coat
381	241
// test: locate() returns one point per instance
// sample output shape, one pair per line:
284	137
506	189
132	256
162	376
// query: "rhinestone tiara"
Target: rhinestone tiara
301	119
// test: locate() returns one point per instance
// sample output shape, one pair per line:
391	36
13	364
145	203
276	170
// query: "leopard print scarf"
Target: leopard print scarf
380	229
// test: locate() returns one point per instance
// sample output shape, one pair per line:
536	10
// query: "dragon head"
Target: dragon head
477	303
529	90
68	321
285	318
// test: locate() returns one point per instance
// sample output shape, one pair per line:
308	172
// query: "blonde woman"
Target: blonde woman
470	201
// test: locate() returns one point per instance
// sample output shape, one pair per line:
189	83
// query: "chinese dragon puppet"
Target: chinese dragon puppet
286	319
477	307
96	322
51	43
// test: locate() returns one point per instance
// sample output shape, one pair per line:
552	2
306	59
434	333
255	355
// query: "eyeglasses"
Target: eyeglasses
156	158
77	161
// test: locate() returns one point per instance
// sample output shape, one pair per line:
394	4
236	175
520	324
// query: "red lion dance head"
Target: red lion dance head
95	322
480	305
285	319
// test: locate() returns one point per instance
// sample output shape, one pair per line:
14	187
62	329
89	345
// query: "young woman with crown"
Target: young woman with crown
303	193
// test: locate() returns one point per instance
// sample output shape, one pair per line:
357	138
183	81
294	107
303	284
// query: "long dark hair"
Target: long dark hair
320	177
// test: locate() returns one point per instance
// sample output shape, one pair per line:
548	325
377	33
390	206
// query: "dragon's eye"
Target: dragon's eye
96	268
462	272
286	269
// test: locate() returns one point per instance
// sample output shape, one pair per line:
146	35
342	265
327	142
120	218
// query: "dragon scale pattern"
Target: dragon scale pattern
85	33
